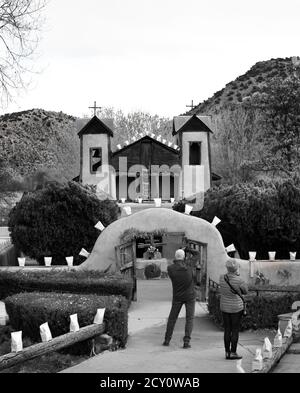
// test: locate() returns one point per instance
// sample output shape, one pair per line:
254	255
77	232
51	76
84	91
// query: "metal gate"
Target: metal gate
197	258
126	260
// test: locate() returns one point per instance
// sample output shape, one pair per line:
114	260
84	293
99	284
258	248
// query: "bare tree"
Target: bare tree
236	141
20	26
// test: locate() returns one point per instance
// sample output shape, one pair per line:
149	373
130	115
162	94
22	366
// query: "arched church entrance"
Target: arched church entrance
124	246
156	250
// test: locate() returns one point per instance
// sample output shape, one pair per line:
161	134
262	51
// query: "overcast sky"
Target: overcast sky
153	55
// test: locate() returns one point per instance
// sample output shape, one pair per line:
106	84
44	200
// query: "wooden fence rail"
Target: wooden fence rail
15	358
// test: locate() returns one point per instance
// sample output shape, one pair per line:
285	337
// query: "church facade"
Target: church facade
149	166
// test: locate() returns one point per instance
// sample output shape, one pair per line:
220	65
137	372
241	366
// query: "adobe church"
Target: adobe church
148	167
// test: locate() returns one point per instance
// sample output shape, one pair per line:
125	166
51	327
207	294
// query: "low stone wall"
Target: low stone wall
279	272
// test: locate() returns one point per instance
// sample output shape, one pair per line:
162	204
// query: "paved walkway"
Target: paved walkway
145	354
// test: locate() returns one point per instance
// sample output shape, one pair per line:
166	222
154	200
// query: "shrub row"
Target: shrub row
27	311
70	281
262	310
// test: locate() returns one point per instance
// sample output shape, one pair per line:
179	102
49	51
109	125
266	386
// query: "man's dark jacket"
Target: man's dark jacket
182	281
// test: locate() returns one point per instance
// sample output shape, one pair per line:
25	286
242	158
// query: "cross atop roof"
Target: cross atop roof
95	107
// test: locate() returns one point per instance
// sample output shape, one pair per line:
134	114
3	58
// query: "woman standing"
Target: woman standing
231	286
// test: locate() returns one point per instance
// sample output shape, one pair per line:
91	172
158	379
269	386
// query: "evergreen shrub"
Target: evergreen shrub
262	216
58	221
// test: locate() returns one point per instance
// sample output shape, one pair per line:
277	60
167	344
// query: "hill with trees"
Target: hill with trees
246	85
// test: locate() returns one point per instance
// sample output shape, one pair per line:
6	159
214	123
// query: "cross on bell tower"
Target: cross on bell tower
95	107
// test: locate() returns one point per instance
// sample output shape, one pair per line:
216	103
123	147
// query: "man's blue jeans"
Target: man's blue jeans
189	321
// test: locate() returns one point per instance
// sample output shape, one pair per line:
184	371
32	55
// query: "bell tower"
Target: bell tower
95	154
193	137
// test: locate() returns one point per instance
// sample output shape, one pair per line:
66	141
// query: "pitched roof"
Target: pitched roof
97	126
147	137
199	123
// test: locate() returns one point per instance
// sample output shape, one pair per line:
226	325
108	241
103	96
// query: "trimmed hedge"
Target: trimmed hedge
70	281
259	216
27	311
262	310
59	220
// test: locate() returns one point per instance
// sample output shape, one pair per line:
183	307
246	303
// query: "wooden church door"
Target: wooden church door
198	259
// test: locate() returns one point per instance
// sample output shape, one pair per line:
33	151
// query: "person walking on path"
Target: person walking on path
182	278
232	287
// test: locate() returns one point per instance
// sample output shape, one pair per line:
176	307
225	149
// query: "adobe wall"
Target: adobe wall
103	253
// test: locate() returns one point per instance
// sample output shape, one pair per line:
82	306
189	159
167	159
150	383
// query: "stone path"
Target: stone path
144	352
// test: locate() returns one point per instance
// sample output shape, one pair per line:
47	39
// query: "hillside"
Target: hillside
35	139
245	85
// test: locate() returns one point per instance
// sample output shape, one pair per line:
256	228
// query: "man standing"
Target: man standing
182	279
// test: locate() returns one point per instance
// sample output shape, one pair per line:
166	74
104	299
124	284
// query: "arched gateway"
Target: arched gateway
168	230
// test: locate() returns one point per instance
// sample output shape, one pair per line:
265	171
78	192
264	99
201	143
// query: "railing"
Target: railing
213	284
66	340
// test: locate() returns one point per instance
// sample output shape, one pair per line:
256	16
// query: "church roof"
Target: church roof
97	126
158	139
198	123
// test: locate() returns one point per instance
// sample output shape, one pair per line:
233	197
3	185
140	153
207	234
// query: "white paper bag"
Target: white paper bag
216	221
252	256
172	200
84	253
188	209
70	261
293	256
288	330
99	316
157	202
74	325
16	342
170	144
267	349
21	261
119	147
140	200
48	261
257	363
100	226
123	200
127	210
45	332
272	255
278	339
230	248
239	367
